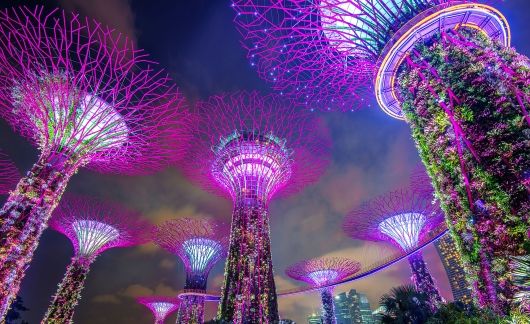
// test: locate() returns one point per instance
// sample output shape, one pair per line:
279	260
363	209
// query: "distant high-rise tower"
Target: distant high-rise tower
366	311
377	314
453	267
314	319
353	308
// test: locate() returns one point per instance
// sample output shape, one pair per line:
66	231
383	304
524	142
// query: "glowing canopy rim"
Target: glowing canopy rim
200	252
92	235
252	165
404	229
479	16
321	277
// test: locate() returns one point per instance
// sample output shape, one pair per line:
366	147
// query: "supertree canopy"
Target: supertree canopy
9	174
200	244
322	272
404	218
445	67
160	306
251	147
84	97
93	227
421	182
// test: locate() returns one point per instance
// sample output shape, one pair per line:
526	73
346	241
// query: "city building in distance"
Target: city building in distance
453	267
314	319
352	308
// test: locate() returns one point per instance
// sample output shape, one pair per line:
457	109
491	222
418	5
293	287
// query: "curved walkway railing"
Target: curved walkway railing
372	269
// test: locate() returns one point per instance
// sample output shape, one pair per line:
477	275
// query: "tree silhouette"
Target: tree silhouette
405	305
14	315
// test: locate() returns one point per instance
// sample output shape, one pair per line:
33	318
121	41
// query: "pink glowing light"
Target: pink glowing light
325	54
94	226
69	84
403	217
160	306
199	243
84	96
323	271
251	147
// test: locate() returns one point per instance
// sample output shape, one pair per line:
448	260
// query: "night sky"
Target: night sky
196	42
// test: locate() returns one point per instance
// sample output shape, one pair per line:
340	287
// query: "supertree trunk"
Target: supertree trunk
192	307
328	308
24	217
191	310
68	293
423	280
249	292
466	100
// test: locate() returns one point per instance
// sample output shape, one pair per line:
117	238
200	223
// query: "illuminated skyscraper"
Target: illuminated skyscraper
453	267
353	308
314	319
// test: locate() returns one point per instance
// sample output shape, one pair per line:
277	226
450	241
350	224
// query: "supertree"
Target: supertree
9	174
85	98
250	148
200	244
403	217
92	226
160	306
445	67
323	272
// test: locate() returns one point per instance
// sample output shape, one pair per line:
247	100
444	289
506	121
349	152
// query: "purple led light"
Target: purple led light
201	251
85	97
403	217
405	229
321	277
94	226
160	306
199	243
251	147
255	166
323	271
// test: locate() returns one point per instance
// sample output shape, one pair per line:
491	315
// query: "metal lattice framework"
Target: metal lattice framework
160	306
85	97
252	146
9	174
420	180
94	226
71	87
324	53
410	46
323	271
402	217
405	218
199	243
